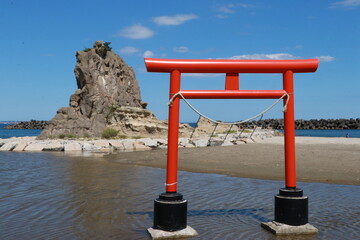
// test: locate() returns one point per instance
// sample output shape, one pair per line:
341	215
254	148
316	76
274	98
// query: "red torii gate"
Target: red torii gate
232	68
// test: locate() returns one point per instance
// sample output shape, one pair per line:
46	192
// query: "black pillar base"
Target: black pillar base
291	207
170	211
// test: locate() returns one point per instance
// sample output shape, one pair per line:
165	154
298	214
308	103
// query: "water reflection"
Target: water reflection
56	196
103	193
251	212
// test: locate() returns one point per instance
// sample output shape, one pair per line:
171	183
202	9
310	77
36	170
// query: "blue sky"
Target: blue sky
39	40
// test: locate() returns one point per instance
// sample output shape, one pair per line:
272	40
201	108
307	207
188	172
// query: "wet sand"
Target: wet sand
327	160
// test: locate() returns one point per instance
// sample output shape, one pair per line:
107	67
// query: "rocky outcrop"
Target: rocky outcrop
33	124
205	126
139	122
105	83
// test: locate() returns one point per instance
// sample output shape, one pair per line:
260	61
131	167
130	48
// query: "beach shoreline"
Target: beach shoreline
319	159
325	160
33	144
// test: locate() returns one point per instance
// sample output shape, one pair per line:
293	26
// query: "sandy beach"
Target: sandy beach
319	159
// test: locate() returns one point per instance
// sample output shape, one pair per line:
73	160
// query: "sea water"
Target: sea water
8	133
57	196
352	133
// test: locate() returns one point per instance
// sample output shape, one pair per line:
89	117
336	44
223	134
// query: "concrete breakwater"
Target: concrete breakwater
307	124
33	124
31	144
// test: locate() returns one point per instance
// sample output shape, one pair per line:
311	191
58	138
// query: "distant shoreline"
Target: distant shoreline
9	122
300	124
341	133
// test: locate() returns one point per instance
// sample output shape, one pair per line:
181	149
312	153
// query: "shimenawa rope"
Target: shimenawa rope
230	123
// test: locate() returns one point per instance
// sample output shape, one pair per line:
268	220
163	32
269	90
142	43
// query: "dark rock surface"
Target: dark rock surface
33	124
104	80
351	123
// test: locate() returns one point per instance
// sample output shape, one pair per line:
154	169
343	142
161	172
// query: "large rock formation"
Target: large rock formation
108	95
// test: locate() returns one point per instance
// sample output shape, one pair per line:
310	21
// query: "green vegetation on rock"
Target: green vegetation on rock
109	133
67	136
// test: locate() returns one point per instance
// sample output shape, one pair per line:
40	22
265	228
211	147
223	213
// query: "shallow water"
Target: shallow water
56	196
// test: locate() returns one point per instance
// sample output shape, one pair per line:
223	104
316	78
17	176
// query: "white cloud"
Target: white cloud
181	49
346	3
278	56
230	9
222	16
326	58
227	8
136	31
129	50
148	54
174	20
275	56
244	5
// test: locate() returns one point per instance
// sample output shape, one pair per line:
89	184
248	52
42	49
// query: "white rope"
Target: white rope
171	184
229	123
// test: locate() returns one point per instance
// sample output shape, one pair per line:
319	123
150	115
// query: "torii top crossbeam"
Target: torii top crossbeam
231	66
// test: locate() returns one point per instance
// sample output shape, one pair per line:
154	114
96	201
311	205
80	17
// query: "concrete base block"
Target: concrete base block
184	233
20	147
284	229
8	146
35	147
72	146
